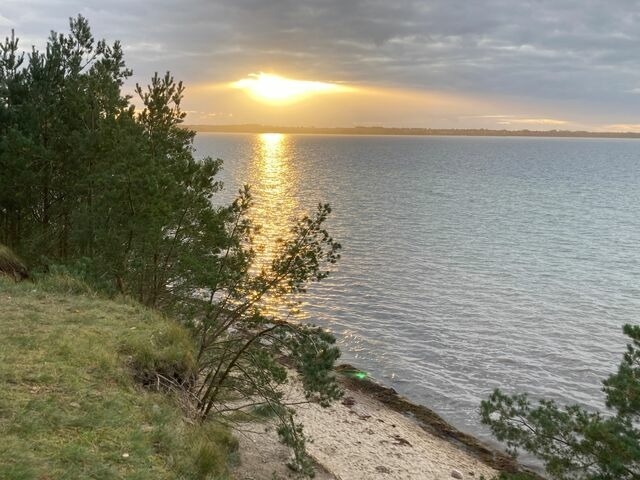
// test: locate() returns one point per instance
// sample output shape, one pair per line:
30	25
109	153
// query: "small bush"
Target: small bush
268	411
207	450
63	282
11	265
166	356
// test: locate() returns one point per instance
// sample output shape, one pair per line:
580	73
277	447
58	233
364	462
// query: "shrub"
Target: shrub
167	358
11	265
64	283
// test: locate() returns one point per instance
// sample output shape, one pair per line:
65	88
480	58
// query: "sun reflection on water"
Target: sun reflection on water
273	179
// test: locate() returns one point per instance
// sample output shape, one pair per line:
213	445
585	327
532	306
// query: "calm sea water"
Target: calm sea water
468	263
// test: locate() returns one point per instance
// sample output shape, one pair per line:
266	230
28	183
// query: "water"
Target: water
468	263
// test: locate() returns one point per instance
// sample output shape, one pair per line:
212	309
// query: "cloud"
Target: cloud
623	127
575	53
5	22
144	47
539	121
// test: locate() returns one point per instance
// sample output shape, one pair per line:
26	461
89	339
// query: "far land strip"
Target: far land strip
459	132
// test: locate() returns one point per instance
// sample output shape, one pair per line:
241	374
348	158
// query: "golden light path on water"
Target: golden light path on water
273	180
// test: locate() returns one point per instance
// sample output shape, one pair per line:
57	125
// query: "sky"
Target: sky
513	64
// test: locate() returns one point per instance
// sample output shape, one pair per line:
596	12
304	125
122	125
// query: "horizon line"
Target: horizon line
404	131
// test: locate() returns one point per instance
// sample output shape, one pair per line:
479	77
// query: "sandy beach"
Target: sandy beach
365	437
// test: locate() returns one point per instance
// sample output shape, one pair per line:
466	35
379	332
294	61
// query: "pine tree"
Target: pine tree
575	443
118	197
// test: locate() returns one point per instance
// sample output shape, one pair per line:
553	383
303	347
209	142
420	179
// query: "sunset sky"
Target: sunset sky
559	64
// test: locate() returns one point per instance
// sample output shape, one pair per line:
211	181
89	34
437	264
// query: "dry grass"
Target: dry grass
11	265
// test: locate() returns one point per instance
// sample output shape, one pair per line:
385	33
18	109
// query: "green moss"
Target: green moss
70	406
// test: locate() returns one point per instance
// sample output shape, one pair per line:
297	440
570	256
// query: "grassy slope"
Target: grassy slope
69	406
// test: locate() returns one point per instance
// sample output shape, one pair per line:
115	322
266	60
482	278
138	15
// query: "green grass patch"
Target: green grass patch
11	265
70	405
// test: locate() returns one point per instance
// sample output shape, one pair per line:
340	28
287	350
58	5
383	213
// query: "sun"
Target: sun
274	89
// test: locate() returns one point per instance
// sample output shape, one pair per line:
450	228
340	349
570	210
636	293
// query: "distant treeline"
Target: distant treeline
471	132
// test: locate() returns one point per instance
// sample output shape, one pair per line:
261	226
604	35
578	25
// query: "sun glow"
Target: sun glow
275	89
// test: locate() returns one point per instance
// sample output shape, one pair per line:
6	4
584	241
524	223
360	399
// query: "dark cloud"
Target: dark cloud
553	50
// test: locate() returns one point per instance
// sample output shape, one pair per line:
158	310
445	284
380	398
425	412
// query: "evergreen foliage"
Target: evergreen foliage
116	196
575	443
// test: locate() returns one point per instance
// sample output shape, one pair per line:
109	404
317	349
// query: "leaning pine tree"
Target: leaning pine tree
116	195
574	443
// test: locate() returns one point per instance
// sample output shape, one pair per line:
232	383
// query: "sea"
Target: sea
468	263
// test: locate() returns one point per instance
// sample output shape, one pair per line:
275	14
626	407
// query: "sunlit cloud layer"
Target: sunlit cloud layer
558	60
622	127
538	121
275	89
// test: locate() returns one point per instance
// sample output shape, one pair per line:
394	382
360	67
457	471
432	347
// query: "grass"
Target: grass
70	404
11	265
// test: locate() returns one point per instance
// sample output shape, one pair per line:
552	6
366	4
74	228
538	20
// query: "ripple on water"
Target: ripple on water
468	263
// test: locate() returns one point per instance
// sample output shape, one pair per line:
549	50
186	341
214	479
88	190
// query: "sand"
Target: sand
357	438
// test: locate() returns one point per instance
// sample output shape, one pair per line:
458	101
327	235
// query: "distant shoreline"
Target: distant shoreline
462	132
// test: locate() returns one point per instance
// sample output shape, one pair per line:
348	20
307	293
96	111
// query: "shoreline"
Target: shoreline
372	433
431	422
